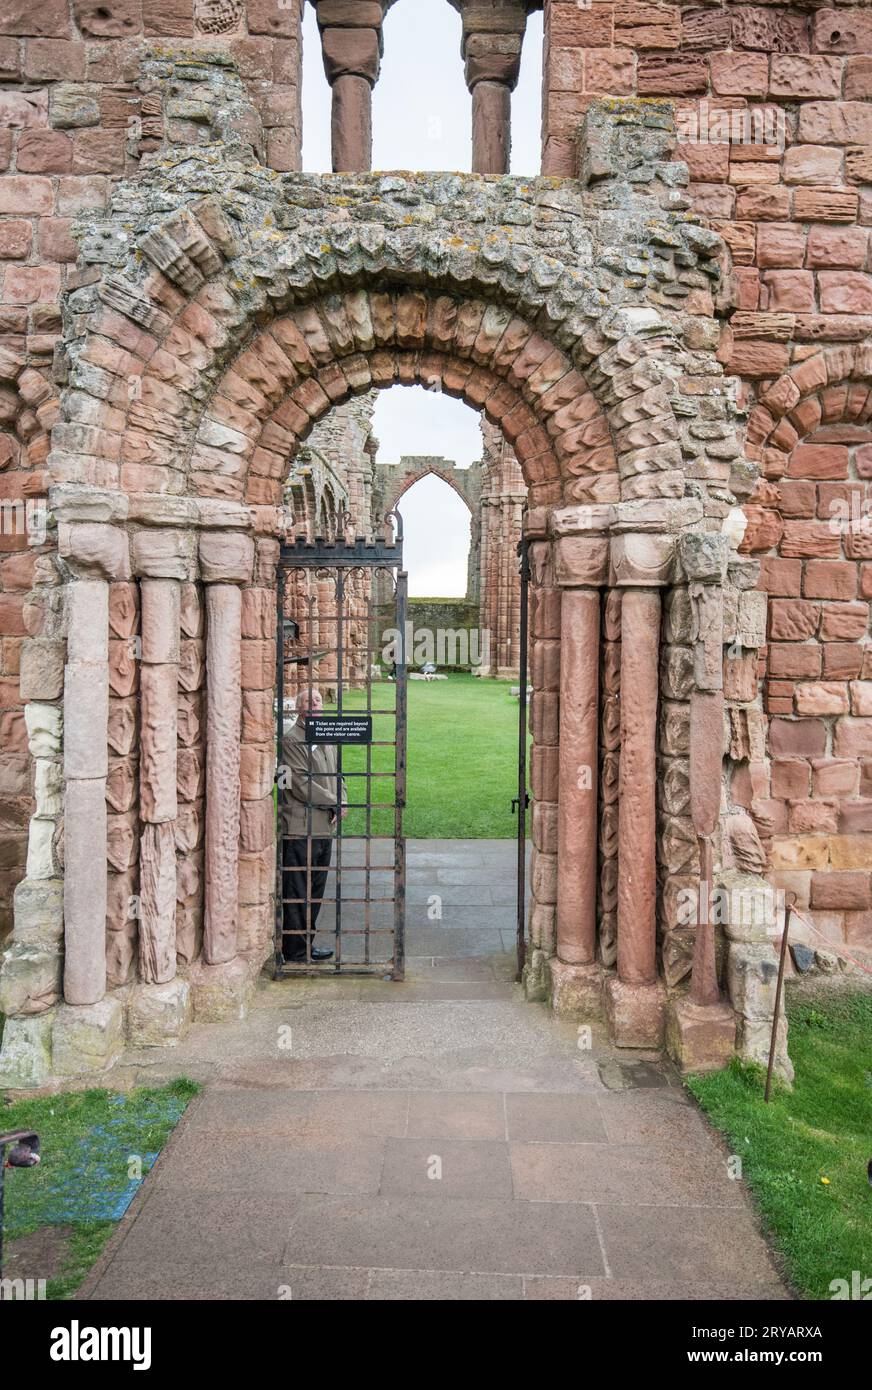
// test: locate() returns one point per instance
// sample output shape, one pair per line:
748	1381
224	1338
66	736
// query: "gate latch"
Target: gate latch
516	802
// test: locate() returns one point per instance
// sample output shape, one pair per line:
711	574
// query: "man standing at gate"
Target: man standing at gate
309	800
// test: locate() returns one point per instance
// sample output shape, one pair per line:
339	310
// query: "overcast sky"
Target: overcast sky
422	120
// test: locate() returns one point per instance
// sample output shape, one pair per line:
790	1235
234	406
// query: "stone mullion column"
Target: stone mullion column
491	47
351	48
581	568
579	763
223	715
86	722
642	564
637	817
226	563
160	600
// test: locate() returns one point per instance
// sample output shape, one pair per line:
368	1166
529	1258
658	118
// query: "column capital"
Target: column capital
642	560
226	557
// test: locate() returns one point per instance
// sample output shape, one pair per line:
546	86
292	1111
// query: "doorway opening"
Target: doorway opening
412	660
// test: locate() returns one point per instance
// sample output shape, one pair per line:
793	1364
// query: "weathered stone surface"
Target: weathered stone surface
635	1013
575	991
92	550
85	833
30	977
159	1015
221	991
86	1039
39	911
223	664
157	877
86	706
700	1039
226	557
158	744
160	621
26	1059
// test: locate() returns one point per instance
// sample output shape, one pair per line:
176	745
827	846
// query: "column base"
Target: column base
576	991
635	1013
535	976
25	1060
87	1037
700	1037
159	1015
221	993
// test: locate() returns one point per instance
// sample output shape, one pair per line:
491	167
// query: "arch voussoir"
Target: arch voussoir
198	364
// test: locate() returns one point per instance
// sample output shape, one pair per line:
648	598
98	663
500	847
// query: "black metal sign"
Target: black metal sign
339	728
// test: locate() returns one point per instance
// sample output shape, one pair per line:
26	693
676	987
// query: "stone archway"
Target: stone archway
197	361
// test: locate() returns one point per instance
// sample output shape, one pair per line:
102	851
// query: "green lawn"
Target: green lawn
462	759
805	1154
95	1148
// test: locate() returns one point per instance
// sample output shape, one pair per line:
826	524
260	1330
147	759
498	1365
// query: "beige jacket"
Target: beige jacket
298	791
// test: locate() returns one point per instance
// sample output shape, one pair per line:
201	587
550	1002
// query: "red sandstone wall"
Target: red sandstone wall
72	122
794	203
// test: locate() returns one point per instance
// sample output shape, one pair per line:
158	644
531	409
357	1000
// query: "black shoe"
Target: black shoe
318	953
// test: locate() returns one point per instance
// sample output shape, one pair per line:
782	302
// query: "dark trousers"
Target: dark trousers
299	918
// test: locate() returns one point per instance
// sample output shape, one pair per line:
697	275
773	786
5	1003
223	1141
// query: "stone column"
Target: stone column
226	562
580	566
86	717
635	999
158	777
579	757
701	1026
224	710
491	128
491	47
351	45
637	817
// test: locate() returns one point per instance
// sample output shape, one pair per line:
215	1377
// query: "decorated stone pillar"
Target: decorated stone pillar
226	563
86	706
351	45
581	559
87	1028
635	998
158	776
701	1026
491	47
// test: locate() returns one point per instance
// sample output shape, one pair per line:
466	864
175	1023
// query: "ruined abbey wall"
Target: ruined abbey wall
656	330
74	121
774	113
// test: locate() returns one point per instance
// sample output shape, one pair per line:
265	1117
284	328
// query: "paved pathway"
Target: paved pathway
442	1139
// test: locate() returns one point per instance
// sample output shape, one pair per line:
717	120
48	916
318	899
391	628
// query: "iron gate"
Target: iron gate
521	802
341	771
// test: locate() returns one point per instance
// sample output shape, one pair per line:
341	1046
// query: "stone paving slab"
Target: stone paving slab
462	1234
442	1139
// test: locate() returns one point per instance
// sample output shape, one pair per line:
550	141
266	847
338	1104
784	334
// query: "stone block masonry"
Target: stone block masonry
74	121
657	329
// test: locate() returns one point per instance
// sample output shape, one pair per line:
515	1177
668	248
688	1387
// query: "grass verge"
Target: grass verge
805	1155
462	760
96	1147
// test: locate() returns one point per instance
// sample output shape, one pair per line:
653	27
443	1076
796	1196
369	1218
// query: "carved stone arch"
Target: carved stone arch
198	358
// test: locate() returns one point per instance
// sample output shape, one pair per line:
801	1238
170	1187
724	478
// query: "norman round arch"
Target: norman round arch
199	351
